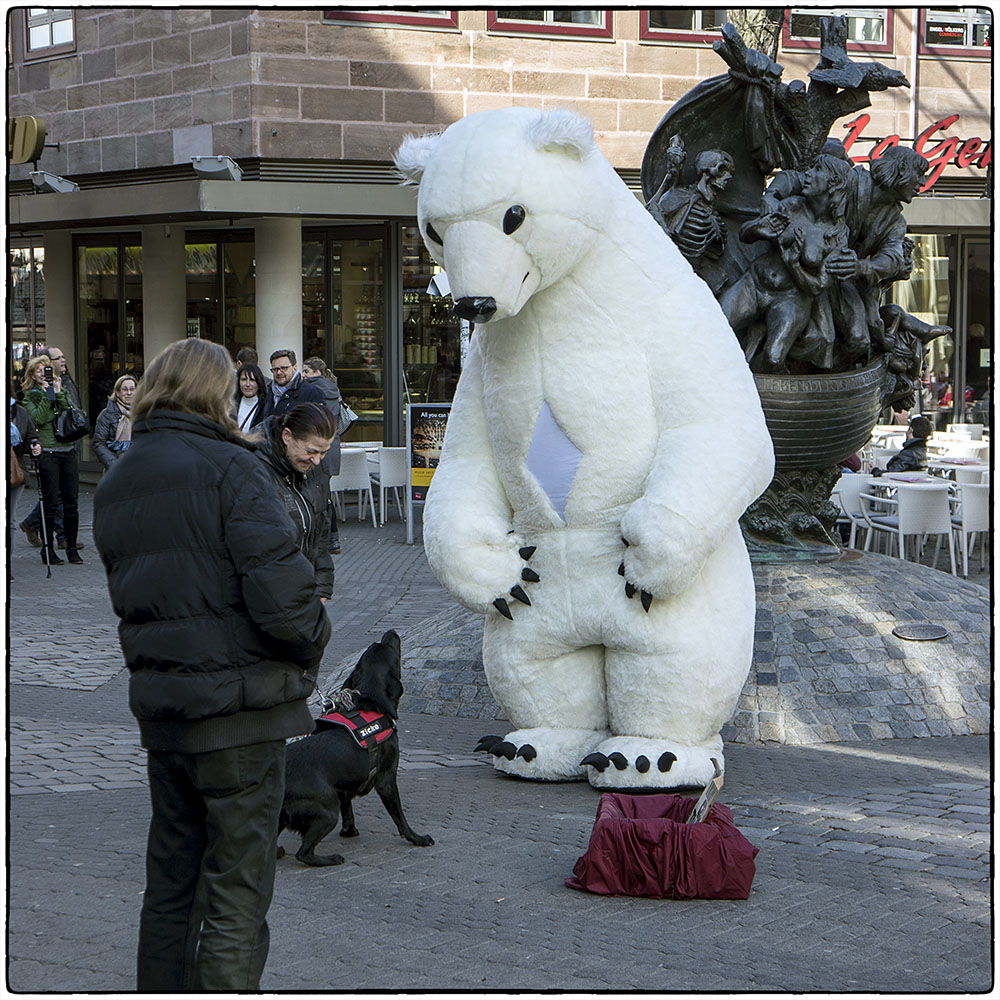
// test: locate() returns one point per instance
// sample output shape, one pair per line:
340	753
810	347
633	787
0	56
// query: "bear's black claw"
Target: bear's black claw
504	749
501	605
529	575
526	551
647	598
527	752
630	589
642	764
624	541
621	570
517	592
666	760
487	743
595	759
619	760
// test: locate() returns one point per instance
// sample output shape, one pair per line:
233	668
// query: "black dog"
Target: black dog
329	768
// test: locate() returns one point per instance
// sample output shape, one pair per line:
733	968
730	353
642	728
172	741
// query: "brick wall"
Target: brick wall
151	87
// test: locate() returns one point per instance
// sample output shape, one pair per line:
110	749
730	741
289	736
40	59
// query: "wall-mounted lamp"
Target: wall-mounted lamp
216	168
52	183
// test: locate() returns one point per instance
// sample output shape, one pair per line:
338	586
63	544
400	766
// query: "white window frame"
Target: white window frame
884	14
35	17
968	16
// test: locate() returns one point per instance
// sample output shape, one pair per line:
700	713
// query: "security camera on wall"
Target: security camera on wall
52	183
216	168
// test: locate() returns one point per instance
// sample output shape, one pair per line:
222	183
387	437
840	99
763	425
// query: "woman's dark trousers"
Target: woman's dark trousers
210	865
60	476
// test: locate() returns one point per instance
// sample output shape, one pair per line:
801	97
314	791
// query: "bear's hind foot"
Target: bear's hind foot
542	754
635	764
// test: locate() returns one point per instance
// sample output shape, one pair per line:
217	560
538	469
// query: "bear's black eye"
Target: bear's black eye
432	234
513	219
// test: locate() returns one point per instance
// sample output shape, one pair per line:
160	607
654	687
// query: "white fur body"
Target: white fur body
597	314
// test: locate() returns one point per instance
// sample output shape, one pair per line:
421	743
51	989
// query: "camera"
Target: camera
49	373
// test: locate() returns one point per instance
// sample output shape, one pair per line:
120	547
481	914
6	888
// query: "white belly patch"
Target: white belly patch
552	459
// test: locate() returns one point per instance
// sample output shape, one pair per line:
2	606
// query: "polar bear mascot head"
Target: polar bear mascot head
508	201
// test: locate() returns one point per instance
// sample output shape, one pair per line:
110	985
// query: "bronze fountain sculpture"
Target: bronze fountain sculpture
799	246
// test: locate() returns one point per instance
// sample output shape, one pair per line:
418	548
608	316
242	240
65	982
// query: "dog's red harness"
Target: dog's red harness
368	728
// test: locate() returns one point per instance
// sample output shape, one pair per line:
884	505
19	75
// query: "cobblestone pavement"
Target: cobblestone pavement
873	874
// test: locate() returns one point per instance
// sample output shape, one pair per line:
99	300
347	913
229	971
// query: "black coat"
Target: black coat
298	391
221	624
911	457
306	499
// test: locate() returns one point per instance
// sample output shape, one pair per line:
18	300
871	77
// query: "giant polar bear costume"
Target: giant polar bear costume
621	533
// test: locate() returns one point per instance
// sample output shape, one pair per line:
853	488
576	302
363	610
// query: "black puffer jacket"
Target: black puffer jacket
221	624
305	498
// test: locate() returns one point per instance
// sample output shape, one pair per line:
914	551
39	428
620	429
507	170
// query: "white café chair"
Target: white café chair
846	493
968	449
881	456
972	431
917	509
353	475
390	471
971	517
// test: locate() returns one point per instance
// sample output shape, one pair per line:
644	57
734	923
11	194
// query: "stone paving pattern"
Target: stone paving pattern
873	874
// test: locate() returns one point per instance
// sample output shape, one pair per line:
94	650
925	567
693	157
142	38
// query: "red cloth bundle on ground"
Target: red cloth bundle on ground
642	846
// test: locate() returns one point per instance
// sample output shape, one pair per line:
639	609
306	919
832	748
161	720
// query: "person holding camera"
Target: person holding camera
45	397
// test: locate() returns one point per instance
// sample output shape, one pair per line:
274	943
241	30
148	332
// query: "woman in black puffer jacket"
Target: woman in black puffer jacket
292	447
222	630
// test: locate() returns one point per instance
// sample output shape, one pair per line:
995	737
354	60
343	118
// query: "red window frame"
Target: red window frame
648	34
964	51
805	44
562	29
385	20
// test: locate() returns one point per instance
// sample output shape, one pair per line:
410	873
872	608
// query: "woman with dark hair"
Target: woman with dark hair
250	396
222	630
315	372
293	447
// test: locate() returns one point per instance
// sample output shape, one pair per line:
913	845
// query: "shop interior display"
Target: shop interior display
599	545
799	245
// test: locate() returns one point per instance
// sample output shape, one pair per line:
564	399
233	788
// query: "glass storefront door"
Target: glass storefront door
109	320
977	322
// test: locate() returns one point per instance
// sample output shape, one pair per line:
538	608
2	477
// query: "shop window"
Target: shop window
562	21
221	300
869	29
109	316
432	333
961	31
389	17
48	31
25	306
681	24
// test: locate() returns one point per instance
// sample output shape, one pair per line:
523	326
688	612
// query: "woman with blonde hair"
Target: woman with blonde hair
45	398
222	629
113	429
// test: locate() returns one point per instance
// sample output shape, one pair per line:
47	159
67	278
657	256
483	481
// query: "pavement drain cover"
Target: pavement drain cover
919	630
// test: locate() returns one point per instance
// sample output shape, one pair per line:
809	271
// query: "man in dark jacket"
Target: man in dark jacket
913	455
288	387
222	630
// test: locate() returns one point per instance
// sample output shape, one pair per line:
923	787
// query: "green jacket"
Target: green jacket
43	412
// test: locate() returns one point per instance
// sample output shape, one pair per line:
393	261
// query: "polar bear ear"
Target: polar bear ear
564	131
414	154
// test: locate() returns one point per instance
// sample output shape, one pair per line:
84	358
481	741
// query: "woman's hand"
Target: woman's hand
36	448
57	383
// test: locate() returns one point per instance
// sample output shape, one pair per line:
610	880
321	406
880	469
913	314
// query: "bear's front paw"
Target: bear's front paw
528	575
631	589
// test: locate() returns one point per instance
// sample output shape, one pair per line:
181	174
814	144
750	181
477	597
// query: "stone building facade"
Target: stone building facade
311	105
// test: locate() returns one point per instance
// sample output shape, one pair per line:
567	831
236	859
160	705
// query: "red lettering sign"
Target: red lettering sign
947	149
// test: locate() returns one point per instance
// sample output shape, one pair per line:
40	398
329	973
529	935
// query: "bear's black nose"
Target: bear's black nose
476	309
